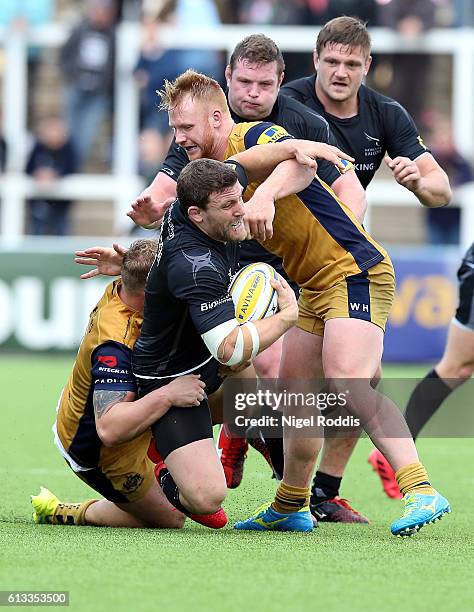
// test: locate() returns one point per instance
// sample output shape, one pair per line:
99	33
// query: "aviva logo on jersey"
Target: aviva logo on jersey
272	134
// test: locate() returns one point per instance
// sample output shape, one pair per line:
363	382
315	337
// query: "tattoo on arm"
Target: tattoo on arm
104	400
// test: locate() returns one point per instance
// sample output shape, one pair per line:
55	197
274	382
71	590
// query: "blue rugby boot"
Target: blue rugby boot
267	519
420	510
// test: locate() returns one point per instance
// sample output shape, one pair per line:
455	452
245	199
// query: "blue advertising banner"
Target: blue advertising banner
425	301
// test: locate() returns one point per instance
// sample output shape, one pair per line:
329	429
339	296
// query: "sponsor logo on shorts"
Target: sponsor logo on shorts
357	306
108	360
112	370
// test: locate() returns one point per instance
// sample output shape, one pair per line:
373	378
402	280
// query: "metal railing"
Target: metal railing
123	184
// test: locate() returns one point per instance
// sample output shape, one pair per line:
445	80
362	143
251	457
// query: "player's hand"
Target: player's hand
146	211
186	391
405	171
307	151
259	215
107	261
287	305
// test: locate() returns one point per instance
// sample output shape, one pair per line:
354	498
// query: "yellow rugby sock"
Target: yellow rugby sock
71	514
413	477
290	499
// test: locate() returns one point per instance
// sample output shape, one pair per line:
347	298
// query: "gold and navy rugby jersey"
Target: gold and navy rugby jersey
317	236
103	362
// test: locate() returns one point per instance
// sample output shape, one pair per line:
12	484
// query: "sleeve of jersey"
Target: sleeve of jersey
401	135
317	129
111	368
265	133
196	280
175	161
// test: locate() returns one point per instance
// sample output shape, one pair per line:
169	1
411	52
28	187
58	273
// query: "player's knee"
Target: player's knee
267	367
206	500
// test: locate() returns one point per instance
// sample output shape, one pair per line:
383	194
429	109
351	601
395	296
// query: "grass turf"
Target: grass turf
337	567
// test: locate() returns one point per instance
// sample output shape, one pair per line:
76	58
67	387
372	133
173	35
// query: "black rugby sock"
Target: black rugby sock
425	400
171	490
324	487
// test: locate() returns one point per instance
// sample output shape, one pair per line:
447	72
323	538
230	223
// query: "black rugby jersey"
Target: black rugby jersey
300	122
381	126
186	295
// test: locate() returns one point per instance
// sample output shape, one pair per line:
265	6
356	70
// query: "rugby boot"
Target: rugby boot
232	452
266	518
337	510
420	509
386	474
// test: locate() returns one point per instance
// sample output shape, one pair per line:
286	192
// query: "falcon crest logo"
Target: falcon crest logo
199	262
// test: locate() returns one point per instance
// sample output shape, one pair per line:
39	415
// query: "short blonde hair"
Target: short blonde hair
197	85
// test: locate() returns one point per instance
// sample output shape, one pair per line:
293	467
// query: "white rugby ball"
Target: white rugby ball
253	296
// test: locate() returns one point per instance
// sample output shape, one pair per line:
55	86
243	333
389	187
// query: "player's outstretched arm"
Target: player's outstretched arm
424	177
120	417
260	160
148	209
107	260
349	190
287	178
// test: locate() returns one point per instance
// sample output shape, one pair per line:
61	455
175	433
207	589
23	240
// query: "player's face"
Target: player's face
253	88
222	219
191	121
341	70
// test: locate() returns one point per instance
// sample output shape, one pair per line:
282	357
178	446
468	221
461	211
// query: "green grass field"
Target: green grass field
337	567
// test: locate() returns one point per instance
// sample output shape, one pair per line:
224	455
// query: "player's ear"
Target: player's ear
195	214
315	59
228	74
280	80
216	117
368	62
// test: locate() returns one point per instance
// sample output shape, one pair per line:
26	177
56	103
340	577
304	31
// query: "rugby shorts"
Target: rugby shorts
124	473
367	296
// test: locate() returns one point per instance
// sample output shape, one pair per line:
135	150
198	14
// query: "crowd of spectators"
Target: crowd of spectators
87	64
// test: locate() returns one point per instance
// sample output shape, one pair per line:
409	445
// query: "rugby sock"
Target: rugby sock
425	400
290	499
413	477
170	489
71	514
324	487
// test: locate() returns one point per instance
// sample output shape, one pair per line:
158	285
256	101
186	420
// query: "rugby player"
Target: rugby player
101	430
347	283
372	128
254	75
189	324
455	368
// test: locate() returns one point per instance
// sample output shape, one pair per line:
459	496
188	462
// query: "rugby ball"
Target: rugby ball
253	296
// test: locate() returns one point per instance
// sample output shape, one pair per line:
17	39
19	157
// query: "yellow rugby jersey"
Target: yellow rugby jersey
103	362
317	236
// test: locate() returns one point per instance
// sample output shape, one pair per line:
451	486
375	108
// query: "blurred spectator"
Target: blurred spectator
52	157
154	65
23	14
199	14
443	223
153	147
87	62
275	12
406	74
321	11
